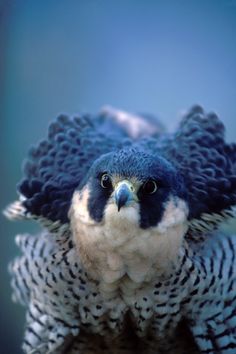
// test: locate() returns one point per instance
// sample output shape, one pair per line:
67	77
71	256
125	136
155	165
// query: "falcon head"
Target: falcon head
132	206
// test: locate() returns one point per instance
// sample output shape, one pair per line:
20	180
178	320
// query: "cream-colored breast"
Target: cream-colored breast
118	247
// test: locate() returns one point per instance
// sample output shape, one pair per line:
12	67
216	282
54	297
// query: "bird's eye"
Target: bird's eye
150	187
106	181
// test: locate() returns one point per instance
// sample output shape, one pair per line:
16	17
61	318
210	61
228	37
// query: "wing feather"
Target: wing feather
207	163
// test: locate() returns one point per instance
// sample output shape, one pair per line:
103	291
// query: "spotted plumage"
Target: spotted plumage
131	259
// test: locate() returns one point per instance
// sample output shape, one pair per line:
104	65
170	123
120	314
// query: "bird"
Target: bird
131	256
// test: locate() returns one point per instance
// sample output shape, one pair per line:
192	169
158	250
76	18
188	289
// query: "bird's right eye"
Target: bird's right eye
106	181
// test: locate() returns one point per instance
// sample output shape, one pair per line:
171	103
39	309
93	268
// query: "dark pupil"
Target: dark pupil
106	182
149	187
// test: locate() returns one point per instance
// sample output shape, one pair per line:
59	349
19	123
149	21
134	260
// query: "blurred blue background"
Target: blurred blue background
71	56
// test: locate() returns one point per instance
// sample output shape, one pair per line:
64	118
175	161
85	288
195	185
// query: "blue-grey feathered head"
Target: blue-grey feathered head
132	176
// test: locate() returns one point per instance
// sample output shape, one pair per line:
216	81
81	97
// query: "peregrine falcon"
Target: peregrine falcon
131	257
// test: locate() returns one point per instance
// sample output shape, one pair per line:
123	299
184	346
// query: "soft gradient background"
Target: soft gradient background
71	56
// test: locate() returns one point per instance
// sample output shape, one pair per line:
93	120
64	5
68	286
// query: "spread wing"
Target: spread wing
58	164
207	163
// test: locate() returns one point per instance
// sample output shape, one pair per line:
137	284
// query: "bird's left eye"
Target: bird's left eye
150	187
106	181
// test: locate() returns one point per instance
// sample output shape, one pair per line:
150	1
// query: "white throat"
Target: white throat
118	247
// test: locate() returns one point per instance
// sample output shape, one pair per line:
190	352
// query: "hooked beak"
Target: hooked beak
124	194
